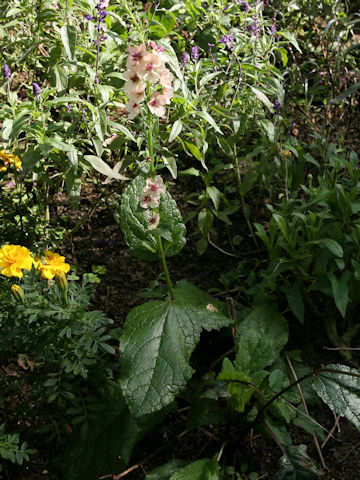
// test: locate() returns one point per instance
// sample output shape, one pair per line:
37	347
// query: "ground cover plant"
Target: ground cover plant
219	141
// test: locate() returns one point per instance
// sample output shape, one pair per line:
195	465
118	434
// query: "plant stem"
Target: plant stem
151	150
164	265
297	382
83	220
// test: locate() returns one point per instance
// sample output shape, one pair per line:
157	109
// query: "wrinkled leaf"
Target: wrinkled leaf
110	437
297	465
340	392
135	220
260	338
156	344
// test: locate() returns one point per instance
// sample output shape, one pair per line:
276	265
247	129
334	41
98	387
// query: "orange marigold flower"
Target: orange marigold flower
14	259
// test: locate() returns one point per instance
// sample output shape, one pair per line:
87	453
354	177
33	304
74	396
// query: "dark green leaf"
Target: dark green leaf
260	338
156	343
295	300
165	471
204	469
340	290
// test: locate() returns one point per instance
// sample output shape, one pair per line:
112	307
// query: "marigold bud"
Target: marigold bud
17	292
61	281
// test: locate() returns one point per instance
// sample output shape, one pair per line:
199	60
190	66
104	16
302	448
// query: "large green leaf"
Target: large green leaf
156	344
134	221
204	469
341	392
260	338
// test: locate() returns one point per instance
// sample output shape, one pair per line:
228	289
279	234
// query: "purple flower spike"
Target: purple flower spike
36	90
184	59
6	72
277	106
254	28
273	26
90	17
228	40
195	53
244	5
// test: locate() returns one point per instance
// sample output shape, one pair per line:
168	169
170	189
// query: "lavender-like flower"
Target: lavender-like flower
228	39
277	106
36	90
195	53
244	5
254	28
6	72
273	26
184	60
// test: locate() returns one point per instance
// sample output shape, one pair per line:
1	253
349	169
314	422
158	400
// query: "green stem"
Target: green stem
164	265
151	151
81	223
314	373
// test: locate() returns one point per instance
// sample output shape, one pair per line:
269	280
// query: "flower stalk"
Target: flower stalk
164	266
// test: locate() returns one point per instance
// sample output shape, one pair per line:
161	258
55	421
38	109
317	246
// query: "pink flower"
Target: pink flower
166	78
103	4
157	49
150	67
156	104
136	55
168	93
137	96
132	108
154	185
133	81
149	200
154	221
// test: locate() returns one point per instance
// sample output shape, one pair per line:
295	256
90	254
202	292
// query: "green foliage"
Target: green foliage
156	344
135	221
106	441
297	465
340	391
249	132
260	338
10	448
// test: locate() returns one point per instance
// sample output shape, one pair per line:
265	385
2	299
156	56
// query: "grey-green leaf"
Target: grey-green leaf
156	344
297	465
260	338
135	220
341	392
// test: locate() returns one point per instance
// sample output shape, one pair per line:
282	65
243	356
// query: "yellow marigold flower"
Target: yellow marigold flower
14	259
51	264
9	159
